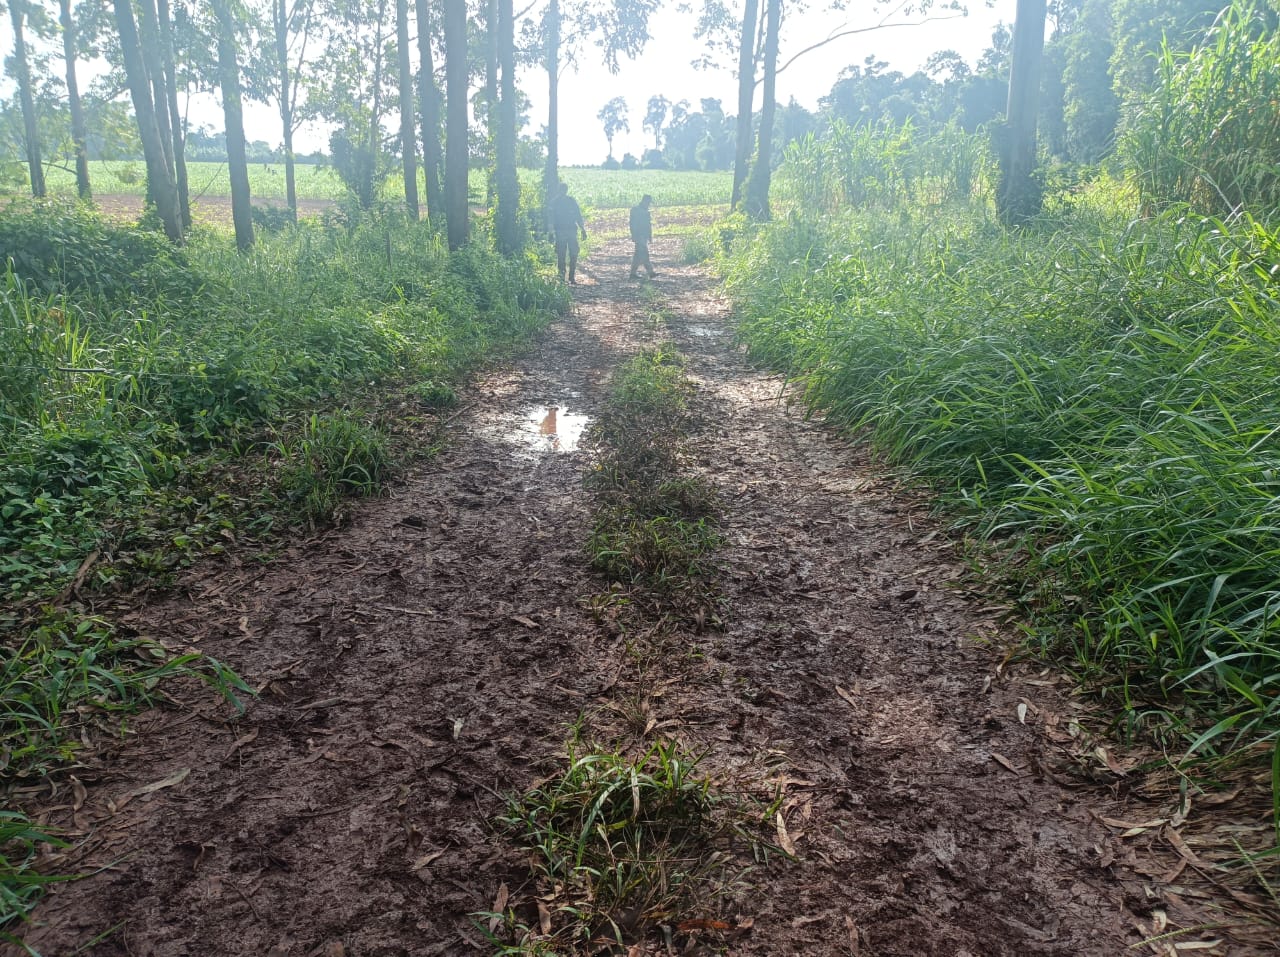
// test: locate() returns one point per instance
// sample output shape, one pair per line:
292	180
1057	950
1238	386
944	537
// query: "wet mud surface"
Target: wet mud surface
430	656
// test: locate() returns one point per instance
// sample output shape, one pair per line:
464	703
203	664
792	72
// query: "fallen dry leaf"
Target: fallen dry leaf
499	907
784	839
685	926
176	778
544	919
426	859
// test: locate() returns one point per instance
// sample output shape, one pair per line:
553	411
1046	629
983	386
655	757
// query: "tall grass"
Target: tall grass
1208	135
1099	391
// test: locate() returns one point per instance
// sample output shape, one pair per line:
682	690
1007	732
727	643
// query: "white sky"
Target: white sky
665	68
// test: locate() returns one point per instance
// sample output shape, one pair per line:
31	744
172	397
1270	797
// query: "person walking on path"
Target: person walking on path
566	223
642	235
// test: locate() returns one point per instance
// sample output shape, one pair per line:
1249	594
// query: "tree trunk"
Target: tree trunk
280	22
507	218
160	185
1018	196
368	188
79	139
175	115
429	109
746	95
756	198
455	160
237	166
490	88
149	36
18	13
408	145
551	173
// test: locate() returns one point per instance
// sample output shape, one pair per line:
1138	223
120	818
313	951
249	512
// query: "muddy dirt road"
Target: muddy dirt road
431	655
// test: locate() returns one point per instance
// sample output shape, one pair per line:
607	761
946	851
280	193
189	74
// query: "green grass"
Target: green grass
205	179
655	522
1098	393
621	844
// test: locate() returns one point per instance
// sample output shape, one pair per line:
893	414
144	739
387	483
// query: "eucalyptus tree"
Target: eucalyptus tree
506	216
295	26
18	13
79	135
229	79
162	189
456	129
350	85
613	118
655	117
408	147
429	112
1018	193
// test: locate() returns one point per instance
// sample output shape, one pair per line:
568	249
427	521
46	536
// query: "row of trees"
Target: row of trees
421	84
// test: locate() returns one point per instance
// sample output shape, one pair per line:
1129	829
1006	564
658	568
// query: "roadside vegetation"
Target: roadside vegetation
1093	393
158	404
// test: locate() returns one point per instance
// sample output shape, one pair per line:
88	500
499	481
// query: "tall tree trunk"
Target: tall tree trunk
79	139
455	144
149	37
490	88
175	115
369	175
429	110
160	186
408	147
746	95
551	173
18	14
1018	195
507	218
237	166
756	198
280	23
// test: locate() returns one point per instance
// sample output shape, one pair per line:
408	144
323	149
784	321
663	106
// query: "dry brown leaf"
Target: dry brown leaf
847	696
499	907
176	778
527	622
1197	945
1222	797
1133	829
855	947
1004	762
240	742
784	839
426	859
78	793
1178	844
544	919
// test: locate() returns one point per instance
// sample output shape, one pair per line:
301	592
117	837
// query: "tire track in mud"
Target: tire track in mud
418	663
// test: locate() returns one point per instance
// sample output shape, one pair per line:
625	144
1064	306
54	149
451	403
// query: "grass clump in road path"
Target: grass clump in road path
655	525
622	846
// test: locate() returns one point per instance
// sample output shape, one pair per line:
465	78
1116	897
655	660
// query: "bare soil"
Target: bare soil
430	656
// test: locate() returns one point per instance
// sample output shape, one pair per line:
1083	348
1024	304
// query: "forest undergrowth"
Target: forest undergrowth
160	404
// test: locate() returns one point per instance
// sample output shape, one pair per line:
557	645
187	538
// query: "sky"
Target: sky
665	69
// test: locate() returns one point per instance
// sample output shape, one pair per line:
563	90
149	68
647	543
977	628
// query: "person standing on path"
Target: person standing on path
642	235
566	223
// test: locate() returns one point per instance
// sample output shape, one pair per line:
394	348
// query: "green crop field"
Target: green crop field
128	177
593	187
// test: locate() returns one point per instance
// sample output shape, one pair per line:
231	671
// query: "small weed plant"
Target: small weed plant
621	844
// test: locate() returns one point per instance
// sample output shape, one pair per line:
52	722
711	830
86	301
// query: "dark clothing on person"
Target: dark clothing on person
567	224
566	216
641	235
